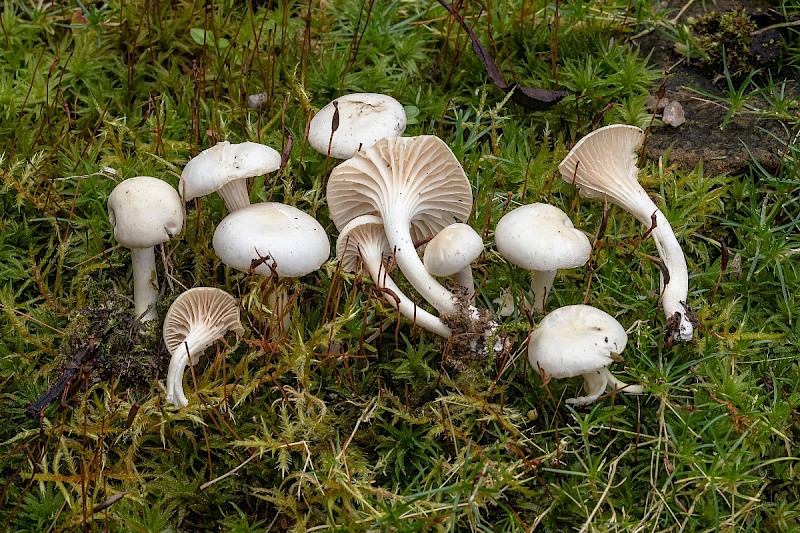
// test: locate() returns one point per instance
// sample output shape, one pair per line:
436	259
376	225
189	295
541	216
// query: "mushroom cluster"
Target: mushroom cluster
390	196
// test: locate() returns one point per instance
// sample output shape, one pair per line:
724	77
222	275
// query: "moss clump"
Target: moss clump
728	37
127	350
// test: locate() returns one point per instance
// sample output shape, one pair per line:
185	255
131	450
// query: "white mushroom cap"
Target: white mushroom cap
417	187
578	340
144	212
272	233
574	340
196	319
224	163
364	118
541	237
362	234
452	249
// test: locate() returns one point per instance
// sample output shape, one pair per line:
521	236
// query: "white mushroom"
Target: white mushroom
451	252
224	168
360	120
196	319
272	238
417	187
541	238
144	212
602	165
363	242
578	340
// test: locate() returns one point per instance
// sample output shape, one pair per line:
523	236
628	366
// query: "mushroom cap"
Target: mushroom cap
272	234
364	118
144	212
418	174
605	160
575	340
452	249
361	233
213	310
224	162
541	237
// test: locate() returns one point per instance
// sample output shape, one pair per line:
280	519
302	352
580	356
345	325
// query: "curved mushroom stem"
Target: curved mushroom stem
464	279
145	283
596	383
188	352
373	261
541	283
235	195
397	227
676	291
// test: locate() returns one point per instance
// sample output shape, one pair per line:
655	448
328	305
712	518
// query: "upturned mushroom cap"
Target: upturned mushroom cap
541	237
272	234
224	162
363	119
603	165
419	174
452	249
575	340
144	212
202	308
360	233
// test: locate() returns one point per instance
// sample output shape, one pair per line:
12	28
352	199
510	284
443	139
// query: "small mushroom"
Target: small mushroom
579	340
224	168
272	239
363	242
541	238
417	187
451	252
144	212
602	165
355	122
196	319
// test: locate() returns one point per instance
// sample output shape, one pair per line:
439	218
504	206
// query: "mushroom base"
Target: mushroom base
473	333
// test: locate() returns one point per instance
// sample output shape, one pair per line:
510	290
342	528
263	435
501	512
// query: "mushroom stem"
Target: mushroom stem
145	282
397	298
397	227
541	283
595	385
464	278
235	195
188	352
676	291
278	300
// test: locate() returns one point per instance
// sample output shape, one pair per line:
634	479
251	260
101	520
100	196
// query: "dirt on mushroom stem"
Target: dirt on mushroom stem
472	328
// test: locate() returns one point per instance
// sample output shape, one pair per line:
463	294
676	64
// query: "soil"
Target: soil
729	149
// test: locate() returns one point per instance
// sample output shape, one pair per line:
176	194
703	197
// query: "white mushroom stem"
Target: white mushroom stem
541	283
397	226
278	300
235	195
373	262
145	282
464	279
188	352
674	293
596	383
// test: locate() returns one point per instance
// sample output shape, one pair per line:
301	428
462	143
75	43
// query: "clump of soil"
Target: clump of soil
472	332
126	350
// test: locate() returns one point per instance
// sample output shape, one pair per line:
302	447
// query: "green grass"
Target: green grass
381	436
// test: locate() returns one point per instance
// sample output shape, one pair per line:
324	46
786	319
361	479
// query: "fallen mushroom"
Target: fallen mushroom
272	239
363	242
602	165
451	252
417	187
196	319
224	168
144	212
579	340
541	238
355	122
